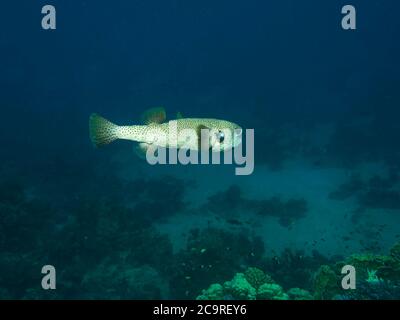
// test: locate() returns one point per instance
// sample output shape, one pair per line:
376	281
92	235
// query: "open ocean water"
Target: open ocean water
325	189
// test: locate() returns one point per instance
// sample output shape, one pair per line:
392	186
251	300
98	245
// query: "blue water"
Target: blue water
323	103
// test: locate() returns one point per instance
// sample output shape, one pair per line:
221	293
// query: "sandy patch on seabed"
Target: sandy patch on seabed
324	227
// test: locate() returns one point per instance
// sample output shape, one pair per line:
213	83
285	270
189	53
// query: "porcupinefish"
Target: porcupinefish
182	132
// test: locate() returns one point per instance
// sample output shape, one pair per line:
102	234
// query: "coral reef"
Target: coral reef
287	212
326	283
239	288
214	292
294	268
299	294
227	201
232	201
256	277
271	291
375	192
377	277
353	186
104	248
211	255
96	233
121	281
377	198
395	252
377	290
384	266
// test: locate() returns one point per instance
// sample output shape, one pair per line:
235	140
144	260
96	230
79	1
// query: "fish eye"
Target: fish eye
220	136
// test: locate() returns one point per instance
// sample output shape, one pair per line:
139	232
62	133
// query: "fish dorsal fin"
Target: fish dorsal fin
154	115
179	115
203	144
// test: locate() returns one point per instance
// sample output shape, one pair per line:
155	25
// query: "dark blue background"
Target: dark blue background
283	59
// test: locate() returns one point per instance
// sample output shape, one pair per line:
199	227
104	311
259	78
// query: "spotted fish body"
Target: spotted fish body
179	133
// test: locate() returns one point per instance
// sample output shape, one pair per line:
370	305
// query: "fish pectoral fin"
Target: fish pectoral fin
141	149
154	115
203	138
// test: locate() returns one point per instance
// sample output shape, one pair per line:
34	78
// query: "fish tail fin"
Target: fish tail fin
101	130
